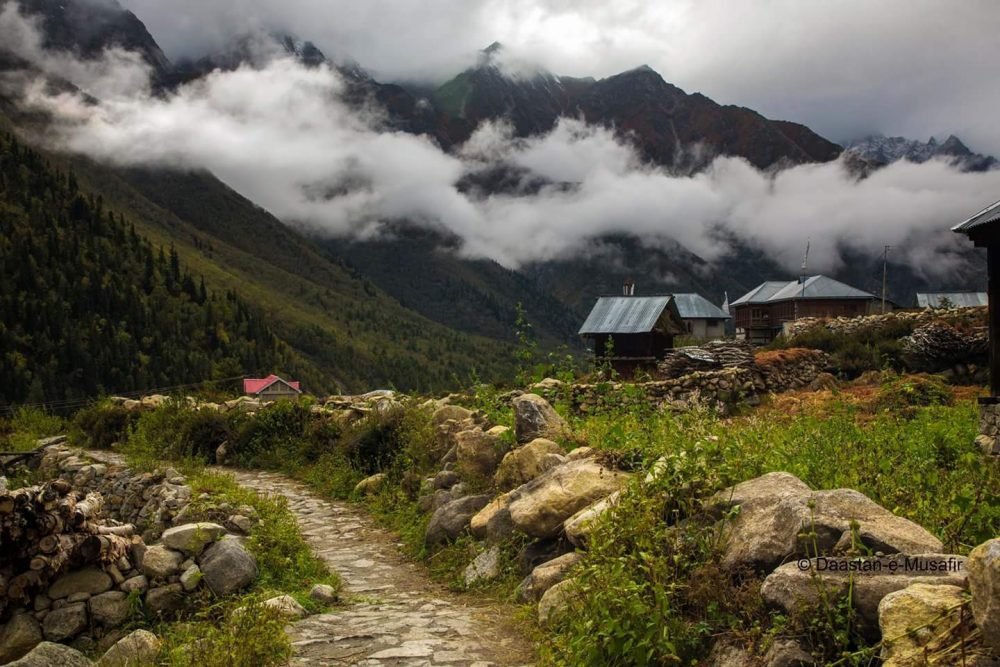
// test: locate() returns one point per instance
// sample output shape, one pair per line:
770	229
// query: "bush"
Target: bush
904	393
101	426
271	438
373	443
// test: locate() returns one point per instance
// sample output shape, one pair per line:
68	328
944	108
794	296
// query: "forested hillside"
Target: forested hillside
88	306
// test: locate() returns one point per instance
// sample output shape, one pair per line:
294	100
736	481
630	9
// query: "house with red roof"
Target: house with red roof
271	388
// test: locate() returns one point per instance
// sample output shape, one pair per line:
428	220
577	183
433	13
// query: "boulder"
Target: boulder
66	622
109	609
191	578
798	584
160	562
191	538
370	485
48	654
555	602
579	526
88	580
526	463
227	567
544	503
545	576
581	453
728	653
535	553
485	567
452	519
493	521
137	583
449	412
133	650
240	524
286	607
21	634
446	479
777	509
788	653
165	599
477	453
910	618
324	594
984	584
535	418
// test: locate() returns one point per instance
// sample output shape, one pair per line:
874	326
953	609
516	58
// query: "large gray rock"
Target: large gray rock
452	519
324	594
910	618
799	584
192	538
778	511
286	607
370	485
227	567
21	634
545	576
543	504
109	609
579	526
477	453
165	599
49	654
66	622
88	580
535	418
984	584
133	650
788	653
160	562
728	653
484	567
556	601
493	522
526	463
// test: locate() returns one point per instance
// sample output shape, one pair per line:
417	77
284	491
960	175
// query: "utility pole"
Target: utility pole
885	273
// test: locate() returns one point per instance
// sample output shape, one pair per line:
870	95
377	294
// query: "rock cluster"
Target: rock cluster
86	607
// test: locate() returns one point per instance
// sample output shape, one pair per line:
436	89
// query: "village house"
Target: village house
935	300
761	313
702	318
271	388
631	333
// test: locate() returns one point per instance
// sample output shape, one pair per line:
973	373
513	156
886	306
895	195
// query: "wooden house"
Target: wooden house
271	388
630	332
761	313
702	318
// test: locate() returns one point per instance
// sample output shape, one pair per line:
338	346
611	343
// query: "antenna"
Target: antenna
885	273
805	260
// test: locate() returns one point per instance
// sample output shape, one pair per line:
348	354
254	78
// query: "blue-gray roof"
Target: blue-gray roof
956	299
625	314
989	214
813	287
697	307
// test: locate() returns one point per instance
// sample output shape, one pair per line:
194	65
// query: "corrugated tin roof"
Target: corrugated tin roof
761	293
956	299
695	307
624	314
814	287
989	214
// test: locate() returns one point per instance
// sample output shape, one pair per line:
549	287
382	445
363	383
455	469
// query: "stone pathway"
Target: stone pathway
395	615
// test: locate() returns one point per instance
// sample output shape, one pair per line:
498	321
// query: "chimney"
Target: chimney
628	287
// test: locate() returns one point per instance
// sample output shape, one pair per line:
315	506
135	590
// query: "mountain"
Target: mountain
878	151
660	119
89	27
89	306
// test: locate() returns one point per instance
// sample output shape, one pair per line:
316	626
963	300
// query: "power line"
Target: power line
80	402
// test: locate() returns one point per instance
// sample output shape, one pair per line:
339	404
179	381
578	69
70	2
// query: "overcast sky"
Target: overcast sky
846	67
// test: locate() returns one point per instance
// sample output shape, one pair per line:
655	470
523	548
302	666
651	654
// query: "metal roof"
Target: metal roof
813	287
989	214
697	307
956	299
761	293
625	314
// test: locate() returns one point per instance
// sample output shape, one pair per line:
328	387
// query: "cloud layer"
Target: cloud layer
846	68
281	135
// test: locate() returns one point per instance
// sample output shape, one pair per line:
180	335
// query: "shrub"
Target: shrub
102	425
907	392
274	437
372	443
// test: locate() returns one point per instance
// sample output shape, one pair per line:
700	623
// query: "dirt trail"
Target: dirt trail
395	615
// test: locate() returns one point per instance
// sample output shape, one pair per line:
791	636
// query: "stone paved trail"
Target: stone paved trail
395	615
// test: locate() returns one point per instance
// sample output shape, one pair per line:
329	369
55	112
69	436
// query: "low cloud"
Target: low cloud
281	135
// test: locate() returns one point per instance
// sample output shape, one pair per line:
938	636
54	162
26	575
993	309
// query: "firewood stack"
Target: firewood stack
47	530
937	345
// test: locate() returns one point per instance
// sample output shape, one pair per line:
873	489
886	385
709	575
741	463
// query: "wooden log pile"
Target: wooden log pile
711	356
47	530
937	345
